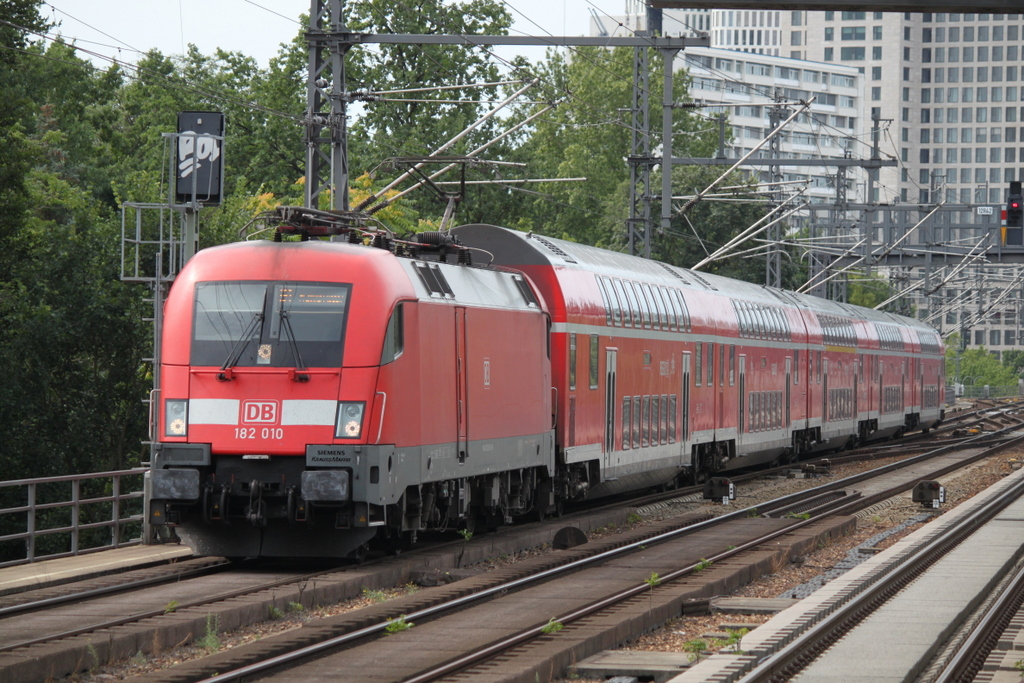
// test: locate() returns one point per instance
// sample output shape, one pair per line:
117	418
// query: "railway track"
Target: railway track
285	588
860	610
513	616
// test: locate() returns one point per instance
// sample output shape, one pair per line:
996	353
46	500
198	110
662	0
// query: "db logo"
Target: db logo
259	412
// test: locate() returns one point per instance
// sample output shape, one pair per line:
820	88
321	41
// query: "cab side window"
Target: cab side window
394	337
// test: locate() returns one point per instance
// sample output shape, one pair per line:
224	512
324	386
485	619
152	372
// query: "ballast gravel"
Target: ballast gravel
794	580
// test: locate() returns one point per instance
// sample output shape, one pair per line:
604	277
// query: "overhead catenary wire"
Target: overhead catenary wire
755	229
690	203
447	145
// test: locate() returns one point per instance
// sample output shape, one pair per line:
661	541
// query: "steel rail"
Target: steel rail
974	650
802	649
486	652
121	621
209	566
295	656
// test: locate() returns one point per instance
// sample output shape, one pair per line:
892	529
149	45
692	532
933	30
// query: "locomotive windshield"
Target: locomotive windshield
277	324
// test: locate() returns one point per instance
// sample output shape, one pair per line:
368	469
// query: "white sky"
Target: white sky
239	25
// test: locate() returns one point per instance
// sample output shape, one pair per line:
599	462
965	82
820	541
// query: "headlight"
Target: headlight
176	417
349	424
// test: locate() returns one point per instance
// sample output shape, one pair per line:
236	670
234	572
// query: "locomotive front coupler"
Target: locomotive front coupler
257	512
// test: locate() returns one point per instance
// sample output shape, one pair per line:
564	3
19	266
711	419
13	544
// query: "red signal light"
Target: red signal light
1014	205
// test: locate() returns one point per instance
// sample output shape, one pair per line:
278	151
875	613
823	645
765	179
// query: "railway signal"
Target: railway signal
1014	230
719	488
929	493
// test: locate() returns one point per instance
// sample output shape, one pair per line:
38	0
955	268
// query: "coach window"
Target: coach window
721	365
648	297
796	366
698	365
627	423
665	419
677	302
711	364
394	337
671	320
636	422
572	361
732	365
619	297
668	322
645	306
818	364
655	420
645	426
616	301
686	312
593	361
670	315
604	297
659	305
634	307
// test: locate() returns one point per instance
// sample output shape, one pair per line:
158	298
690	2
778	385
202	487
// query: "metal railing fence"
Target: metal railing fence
52	517
987	391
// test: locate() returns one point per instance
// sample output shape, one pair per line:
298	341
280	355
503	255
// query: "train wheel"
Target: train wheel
539	513
395	544
359	554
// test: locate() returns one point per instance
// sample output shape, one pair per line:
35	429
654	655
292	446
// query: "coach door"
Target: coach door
741	397
461	398
881	387
609	403
856	389
789	374
825	417
903	386
686	399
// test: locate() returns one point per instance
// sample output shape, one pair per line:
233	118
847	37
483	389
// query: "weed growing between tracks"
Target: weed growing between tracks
682	635
669	638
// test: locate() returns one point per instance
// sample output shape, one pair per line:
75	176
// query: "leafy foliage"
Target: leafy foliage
76	141
978	367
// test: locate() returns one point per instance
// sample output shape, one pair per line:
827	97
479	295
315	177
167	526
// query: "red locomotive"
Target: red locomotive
316	395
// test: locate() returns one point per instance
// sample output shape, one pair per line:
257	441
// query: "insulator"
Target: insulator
435	237
465	257
354	237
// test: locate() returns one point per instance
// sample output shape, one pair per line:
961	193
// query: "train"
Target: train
321	395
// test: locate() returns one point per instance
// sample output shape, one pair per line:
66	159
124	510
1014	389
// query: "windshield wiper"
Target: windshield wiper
286	325
236	351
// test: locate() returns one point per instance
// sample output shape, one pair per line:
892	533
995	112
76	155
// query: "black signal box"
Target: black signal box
929	493
719	488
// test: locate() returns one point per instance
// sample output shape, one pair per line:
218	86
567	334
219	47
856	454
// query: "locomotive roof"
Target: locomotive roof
514	248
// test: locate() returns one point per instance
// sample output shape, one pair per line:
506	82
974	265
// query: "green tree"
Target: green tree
978	367
868	292
1013	360
416	124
